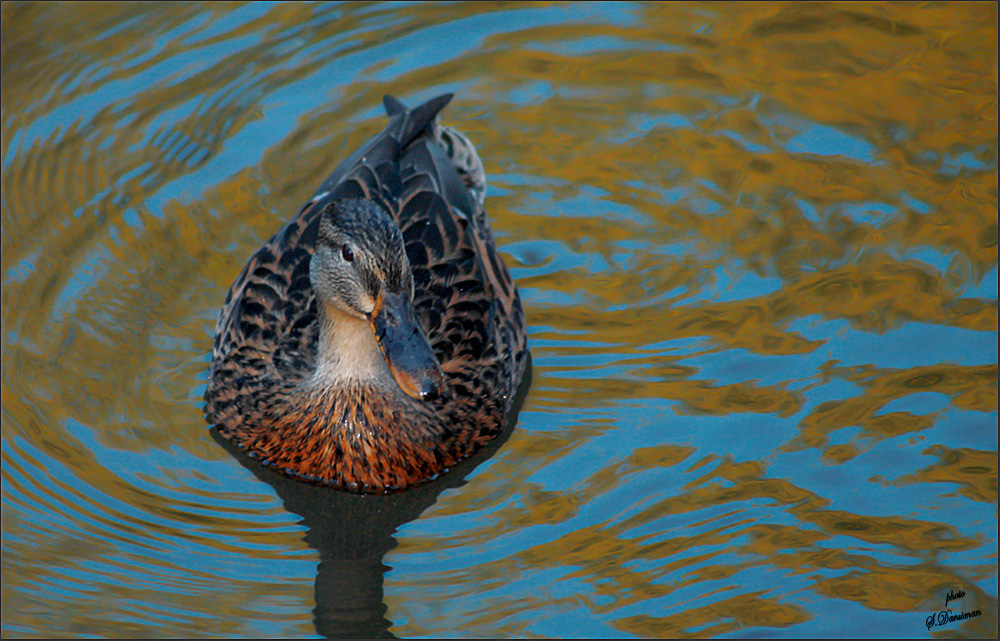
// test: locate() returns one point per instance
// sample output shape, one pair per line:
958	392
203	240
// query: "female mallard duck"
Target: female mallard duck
377	339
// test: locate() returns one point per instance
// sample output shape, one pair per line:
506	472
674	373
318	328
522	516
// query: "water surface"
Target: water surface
757	247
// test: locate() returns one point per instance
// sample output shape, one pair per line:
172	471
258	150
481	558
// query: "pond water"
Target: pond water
757	248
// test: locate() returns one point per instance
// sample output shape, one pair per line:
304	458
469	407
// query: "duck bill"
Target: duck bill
405	347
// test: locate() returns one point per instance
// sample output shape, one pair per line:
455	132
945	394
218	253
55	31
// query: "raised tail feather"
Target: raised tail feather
404	126
461	151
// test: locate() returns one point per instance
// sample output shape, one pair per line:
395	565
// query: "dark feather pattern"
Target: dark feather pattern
359	436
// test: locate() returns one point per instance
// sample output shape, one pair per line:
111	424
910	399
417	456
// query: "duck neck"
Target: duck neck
348	352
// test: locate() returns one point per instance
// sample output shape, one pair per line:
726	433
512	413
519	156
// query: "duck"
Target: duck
377	339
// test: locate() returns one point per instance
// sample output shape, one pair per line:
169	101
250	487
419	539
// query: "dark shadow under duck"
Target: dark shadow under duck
377	338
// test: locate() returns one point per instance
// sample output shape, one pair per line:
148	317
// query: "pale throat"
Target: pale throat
348	351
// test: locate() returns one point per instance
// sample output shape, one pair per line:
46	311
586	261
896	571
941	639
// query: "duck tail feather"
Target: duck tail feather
405	125
393	105
417	120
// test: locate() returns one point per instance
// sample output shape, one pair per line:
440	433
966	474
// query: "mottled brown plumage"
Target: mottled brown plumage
270	391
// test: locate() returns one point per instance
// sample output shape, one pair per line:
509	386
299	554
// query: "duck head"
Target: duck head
364	290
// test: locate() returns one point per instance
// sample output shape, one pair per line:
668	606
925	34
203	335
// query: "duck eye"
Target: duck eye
347	254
